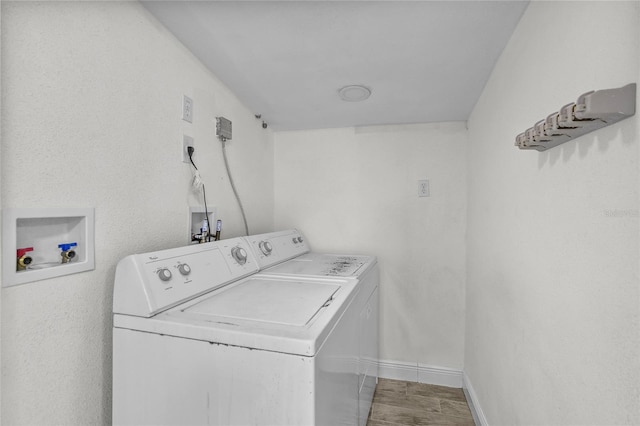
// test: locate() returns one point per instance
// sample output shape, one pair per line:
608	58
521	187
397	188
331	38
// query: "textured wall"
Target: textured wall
553	258
0	231
91	117
355	190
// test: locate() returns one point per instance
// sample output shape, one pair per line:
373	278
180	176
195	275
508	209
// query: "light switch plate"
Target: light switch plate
423	188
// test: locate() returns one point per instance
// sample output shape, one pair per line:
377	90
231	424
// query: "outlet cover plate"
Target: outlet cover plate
187	141
187	109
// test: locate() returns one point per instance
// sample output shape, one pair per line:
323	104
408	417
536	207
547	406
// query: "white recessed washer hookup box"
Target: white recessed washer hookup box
42	243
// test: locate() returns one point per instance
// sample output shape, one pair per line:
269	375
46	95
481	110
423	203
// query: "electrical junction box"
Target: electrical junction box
223	128
38	244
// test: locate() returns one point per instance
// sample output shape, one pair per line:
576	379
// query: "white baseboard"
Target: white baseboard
472	399
421	373
443	376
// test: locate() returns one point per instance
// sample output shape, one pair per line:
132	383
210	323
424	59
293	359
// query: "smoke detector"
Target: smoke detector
354	93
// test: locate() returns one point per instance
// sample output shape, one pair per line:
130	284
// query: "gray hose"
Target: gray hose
233	187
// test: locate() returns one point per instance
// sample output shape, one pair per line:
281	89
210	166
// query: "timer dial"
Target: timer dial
164	274
239	254
184	269
265	247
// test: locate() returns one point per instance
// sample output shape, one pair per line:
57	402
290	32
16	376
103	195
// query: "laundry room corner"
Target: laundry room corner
388	202
356	190
92	97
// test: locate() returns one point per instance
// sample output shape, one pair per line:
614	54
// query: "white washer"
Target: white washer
287	254
199	338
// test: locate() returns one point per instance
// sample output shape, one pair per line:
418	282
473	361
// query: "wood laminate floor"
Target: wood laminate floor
399	403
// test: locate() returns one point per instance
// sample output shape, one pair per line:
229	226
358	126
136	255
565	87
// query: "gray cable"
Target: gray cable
233	187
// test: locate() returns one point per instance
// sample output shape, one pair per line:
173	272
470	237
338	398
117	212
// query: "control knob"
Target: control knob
164	274
239	254
300	239
184	269
265	247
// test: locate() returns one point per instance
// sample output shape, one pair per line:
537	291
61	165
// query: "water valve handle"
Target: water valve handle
66	246
23	260
67	254
22	251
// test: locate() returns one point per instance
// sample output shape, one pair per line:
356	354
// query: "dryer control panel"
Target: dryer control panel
149	283
276	247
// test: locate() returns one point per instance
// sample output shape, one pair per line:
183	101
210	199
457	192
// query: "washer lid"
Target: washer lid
278	302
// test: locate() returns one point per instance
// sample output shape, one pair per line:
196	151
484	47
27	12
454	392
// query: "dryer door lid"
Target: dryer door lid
328	265
292	303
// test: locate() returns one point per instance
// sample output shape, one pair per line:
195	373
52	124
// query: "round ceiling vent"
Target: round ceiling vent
354	93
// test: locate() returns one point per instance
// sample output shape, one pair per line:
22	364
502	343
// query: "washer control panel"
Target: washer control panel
150	283
276	247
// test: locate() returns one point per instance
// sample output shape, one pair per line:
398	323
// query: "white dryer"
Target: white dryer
199	338
287	254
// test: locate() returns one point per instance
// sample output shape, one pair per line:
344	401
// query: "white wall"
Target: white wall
91	117
0	231
553	249
355	190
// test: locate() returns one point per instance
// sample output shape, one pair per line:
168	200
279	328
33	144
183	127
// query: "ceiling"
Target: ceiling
424	61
